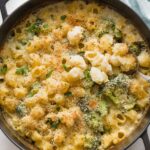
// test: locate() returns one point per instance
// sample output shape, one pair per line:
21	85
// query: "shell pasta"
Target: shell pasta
65	77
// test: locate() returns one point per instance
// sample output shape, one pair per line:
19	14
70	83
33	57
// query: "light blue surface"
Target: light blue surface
142	7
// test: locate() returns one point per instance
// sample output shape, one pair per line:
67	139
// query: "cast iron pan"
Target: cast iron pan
15	17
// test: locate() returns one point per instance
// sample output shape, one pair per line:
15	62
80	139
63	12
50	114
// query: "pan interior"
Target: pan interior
90	32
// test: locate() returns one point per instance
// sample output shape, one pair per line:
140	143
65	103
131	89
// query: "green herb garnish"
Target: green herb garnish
35	28
118	35
101	33
53	124
34	89
137	47
81	53
3	69
22	70
49	73
45	26
87	82
23	42
63	17
66	68
68	94
110	24
87	74
21	110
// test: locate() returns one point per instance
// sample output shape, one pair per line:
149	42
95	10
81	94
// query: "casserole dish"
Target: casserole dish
28	7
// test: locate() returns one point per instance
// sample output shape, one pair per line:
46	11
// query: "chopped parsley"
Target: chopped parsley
137	47
49	73
3	69
45	26
66	68
23	42
34	89
87	74
110	24
53	124
118	35
87	82
22	70
63	17
68	94
35	28
101	33
21	110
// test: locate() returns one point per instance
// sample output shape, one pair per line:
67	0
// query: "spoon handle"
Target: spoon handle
147	78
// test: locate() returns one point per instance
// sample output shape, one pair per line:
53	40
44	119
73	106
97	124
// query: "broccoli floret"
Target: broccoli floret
21	110
94	121
87	81
117	90
93	117
83	104
96	89
118	35
137	47
34	89
3	69
101	33
102	108
91	142
116	86
110	27
22	70
109	23
53	124
35	28
49	73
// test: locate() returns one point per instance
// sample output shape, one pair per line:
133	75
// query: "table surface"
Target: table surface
5	144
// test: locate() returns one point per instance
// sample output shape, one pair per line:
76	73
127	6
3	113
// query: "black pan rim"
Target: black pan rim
110	2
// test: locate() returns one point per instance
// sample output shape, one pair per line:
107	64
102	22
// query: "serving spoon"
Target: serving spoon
146	77
137	71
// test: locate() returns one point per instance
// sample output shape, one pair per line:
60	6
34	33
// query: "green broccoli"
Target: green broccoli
96	89
53	124
21	109
49	73
3	69
111	28
83	104
68	94
22	70
35	28
117	90
118	35
94	121
102	107
101	33
137	47
87	81
23	41
34	89
109	24
63	17
91	142
93	117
